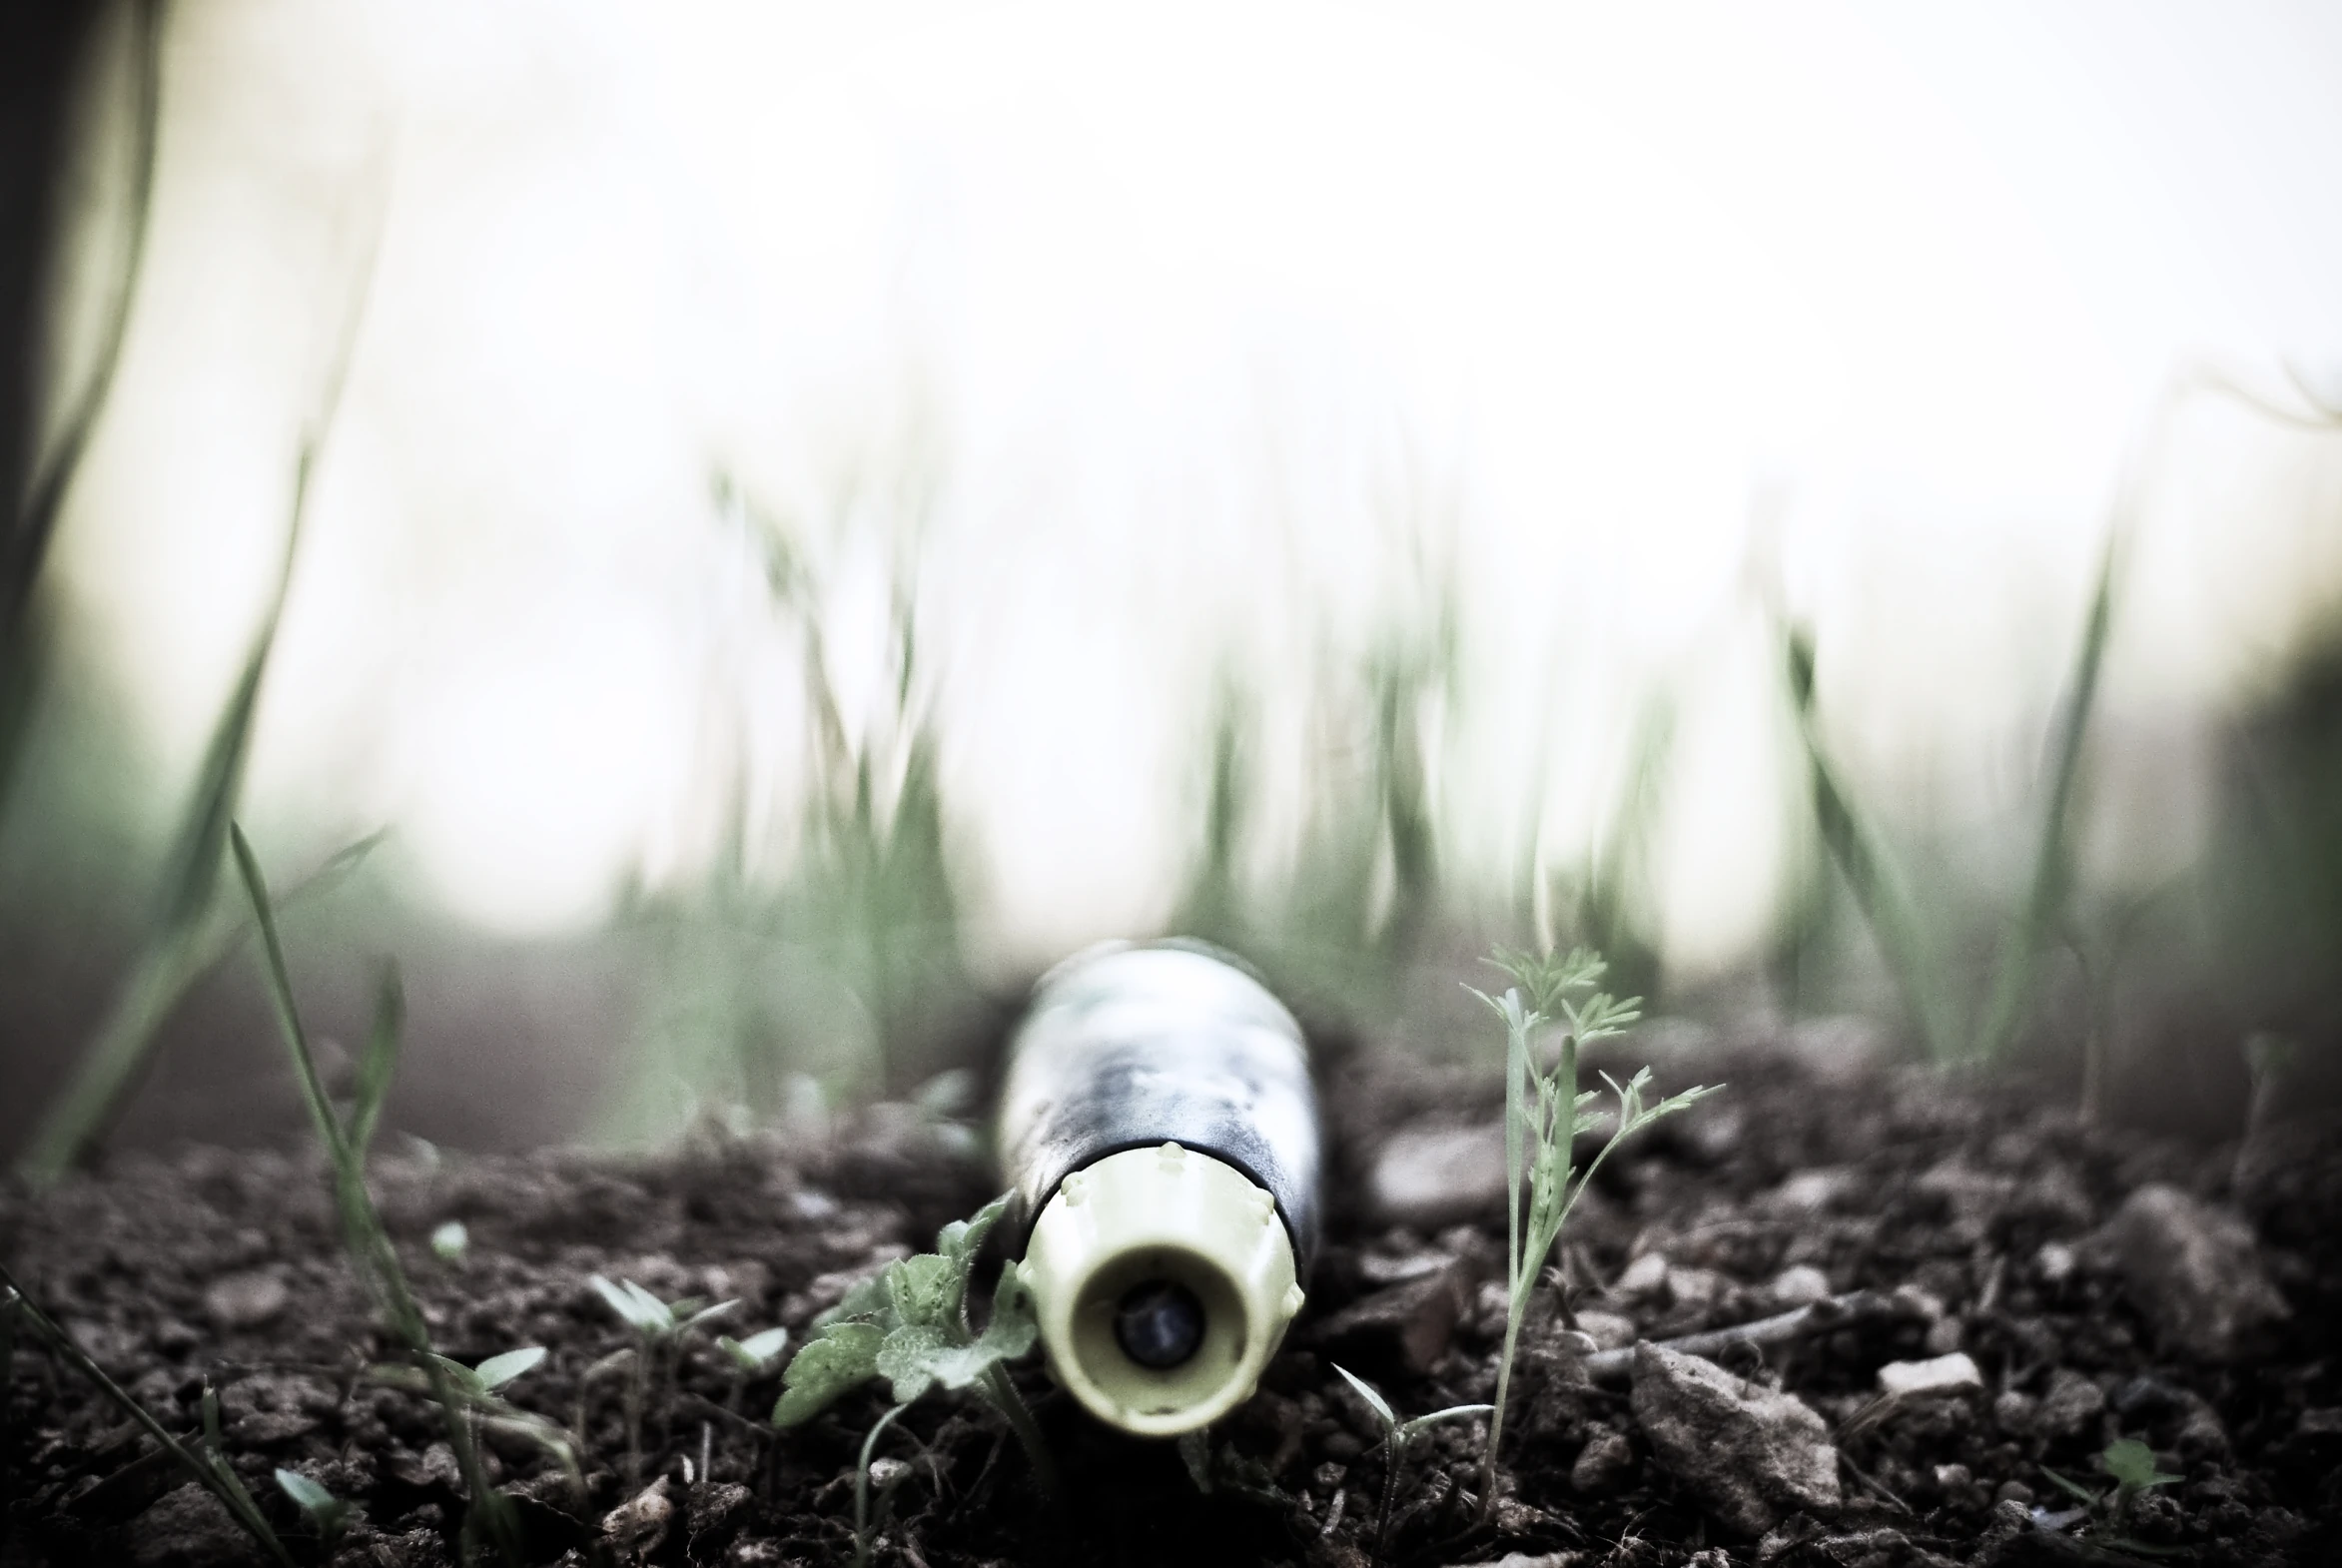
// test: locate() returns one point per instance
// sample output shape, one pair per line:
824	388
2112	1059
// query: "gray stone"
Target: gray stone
1749	1455
188	1528
1801	1284
2194	1271
246	1300
1425	1178
1945	1374
1407	1326
2071	1407
638	1525
1605	1465
275	1407
1608	1331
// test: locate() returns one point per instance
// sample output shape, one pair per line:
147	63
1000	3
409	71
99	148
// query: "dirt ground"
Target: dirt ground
1932	1218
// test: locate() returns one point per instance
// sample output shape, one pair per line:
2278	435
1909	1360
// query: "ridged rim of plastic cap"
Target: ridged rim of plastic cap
1165	1212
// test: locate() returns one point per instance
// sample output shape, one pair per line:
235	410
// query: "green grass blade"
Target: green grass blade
305	1062
372	1255
169	961
381	1061
1854	846
21	1309
2052	879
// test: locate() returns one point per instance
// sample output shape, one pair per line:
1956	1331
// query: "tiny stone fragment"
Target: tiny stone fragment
246	1300
1799	1285
1944	1374
641	1523
1408	1325
188	1528
1608	1331
1606	1463
2073	1405
267	1408
1751	1455
2194	1271
1646	1276
1425	1178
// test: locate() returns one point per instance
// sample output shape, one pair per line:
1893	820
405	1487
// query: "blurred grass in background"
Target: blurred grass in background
838	940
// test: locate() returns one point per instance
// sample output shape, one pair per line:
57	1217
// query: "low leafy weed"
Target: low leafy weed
1545	1109
1396	1435
659	1327
327	1515
909	1325
2131	1465
346	1135
203	1462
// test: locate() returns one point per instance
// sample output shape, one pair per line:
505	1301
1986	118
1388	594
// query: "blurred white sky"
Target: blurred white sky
1196	317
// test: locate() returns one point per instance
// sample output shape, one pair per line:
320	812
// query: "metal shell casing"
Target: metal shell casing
1158	1120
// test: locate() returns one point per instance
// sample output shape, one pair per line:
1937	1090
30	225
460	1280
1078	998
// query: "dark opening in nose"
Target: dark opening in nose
1159	1323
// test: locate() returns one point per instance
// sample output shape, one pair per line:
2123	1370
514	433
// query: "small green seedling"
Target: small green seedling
1396	1435
1545	1109
478	1390
866	1528
659	1327
450	1241
2132	1465
909	1325
327	1514
757	1354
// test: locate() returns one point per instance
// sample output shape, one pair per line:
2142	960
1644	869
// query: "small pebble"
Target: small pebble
1945	1374
246	1300
1608	1331
1799	1285
1604	1464
2195	1270
1646	1276
1425	1178
2072	1404
2012	1492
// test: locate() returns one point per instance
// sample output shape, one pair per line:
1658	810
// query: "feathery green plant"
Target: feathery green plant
1545	1109
346	1135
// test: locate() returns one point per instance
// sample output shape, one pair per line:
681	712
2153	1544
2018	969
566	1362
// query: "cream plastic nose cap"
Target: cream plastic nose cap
1173	1216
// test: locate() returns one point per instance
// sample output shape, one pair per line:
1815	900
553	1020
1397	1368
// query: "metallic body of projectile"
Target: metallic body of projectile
1160	1123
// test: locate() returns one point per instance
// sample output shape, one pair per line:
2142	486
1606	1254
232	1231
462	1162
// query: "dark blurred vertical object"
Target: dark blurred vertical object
45	65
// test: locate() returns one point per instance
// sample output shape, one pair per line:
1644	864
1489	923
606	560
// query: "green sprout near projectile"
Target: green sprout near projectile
2132	1465
327	1514
346	1135
909	1325
1543	1113
659	1327
1396	1435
